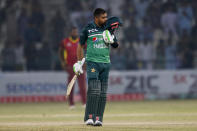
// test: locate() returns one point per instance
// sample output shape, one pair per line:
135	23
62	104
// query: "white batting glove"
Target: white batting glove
77	68
108	38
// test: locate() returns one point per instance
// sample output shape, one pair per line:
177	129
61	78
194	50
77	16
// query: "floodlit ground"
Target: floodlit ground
172	115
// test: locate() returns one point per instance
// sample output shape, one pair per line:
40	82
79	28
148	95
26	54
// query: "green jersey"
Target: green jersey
97	50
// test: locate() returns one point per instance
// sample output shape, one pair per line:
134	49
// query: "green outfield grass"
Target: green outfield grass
172	115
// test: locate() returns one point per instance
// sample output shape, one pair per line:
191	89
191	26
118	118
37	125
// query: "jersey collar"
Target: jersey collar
95	25
72	40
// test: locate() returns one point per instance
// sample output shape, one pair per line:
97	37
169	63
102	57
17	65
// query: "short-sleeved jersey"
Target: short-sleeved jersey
97	50
70	50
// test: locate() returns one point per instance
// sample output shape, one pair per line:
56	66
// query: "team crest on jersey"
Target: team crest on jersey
95	39
93	70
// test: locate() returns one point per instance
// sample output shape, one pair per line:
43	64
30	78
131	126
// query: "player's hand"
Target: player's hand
108	37
77	68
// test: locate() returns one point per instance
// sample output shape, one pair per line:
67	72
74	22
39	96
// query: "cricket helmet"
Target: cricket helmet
113	23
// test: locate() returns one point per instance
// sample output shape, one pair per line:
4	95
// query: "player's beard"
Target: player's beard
102	24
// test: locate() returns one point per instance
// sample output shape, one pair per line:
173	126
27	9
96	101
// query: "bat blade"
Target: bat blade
72	82
70	85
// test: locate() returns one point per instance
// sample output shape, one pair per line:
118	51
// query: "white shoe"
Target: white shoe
89	122
98	123
72	107
84	106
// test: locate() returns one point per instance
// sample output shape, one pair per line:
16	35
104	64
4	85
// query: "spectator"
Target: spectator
131	33
148	55
141	8
2	15
102	3
169	21
57	25
154	14
188	59
22	22
43	56
146	31
170	55
185	16
8	57
160	57
19	53
118	60
194	39
185	52
194	8
139	50
128	9
37	17
74	5
32	34
30	56
130	55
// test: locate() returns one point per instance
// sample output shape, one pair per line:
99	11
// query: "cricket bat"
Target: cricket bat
72	82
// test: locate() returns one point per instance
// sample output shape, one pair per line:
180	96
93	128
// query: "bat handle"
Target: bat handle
83	61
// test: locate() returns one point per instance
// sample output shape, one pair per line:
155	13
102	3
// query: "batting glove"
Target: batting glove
108	37
77	68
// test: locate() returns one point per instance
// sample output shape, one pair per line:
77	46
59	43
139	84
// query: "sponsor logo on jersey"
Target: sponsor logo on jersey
92	30
95	39
100	46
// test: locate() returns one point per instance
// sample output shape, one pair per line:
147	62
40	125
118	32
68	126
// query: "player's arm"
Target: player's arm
61	55
77	67
80	52
80	48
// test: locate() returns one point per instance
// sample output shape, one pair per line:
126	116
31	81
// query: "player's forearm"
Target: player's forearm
61	55
80	53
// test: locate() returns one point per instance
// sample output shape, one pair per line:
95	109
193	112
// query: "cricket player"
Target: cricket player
99	38
68	56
